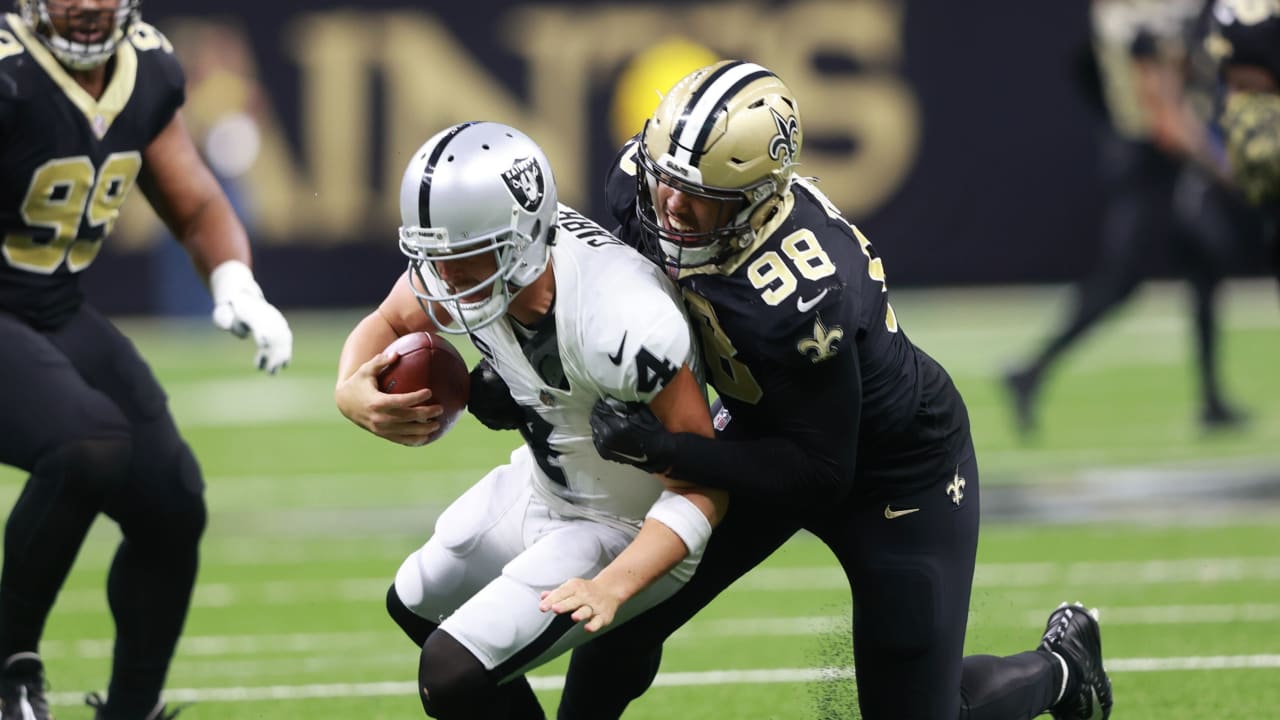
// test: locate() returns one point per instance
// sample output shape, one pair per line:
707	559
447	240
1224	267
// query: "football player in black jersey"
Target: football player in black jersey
836	422
89	99
1162	178
1247	41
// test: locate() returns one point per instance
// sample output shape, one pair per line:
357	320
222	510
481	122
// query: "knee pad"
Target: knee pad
454	683
164	503
184	514
91	466
191	514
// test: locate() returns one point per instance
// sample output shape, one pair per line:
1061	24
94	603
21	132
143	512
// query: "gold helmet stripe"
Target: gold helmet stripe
706	104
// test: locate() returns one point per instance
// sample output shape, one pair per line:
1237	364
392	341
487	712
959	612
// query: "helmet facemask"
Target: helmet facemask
429	247
682	250
74	54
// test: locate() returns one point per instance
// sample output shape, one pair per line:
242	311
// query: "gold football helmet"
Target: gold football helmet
729	132
45	23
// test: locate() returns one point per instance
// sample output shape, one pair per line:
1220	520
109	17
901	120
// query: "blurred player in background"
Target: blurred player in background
1246	39
832	421
1162	172
89	99
565	315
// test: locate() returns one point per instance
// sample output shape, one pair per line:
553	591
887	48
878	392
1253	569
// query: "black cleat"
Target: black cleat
22	687
1072	634
1021	386
1220	416
161	711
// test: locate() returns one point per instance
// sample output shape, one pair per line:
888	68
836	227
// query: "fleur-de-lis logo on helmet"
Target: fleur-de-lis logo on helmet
786	141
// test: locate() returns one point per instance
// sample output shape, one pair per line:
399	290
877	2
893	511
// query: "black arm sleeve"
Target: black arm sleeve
771	468
806	455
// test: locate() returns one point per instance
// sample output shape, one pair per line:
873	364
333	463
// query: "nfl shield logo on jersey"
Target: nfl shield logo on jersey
721	420
524	180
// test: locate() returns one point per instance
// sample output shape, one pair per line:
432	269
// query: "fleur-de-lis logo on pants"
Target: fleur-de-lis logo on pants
955	488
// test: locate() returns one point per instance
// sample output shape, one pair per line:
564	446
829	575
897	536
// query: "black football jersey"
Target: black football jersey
68	161
799	340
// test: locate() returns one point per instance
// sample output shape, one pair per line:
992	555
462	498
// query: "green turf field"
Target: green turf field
1122	502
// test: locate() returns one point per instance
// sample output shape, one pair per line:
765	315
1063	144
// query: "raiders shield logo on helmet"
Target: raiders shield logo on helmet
525	182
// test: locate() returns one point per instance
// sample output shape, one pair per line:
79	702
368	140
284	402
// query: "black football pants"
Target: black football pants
910	573
83	414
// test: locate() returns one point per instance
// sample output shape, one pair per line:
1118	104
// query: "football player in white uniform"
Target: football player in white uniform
565	316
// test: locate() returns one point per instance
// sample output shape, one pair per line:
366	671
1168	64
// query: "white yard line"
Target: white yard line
1140	615
681	679
1074	575
343	643
1035	574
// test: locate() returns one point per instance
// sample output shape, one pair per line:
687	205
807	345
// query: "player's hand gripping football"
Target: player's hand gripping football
630	433
491	400
401	418
587	600
240	308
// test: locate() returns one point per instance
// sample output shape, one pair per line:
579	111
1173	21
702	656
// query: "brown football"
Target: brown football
429	361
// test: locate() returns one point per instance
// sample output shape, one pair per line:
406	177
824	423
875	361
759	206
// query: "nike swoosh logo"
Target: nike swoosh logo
806	305
632	458
617	358
891	514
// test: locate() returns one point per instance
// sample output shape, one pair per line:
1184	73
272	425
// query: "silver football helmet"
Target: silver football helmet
474	189
71	53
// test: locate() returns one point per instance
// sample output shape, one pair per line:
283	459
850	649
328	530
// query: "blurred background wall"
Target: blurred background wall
960	135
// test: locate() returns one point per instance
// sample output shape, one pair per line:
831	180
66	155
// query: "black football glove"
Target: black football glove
491	400
630	433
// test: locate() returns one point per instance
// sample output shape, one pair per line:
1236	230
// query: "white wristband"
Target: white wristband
684	518
232	278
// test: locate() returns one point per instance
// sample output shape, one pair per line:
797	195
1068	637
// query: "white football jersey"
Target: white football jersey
620	332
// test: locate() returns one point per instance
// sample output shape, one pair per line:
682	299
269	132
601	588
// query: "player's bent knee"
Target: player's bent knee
165	506
452	681
187	510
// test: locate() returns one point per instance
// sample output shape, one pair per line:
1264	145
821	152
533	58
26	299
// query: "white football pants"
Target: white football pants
496	548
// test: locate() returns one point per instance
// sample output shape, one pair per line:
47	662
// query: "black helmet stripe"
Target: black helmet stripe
424	190
693	101
705	106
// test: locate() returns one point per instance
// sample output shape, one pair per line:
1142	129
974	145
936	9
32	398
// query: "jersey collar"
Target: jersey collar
99	113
